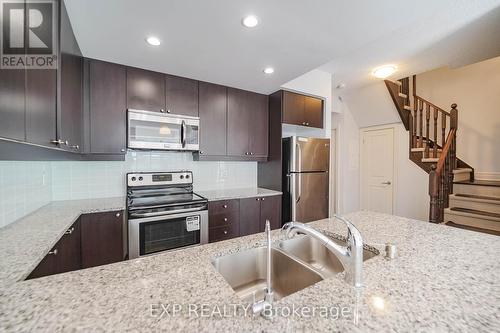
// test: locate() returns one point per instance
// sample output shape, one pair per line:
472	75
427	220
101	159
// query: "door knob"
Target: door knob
386	183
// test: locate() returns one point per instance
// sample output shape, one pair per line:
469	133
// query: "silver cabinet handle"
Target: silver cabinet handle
307	124
225	232
168	111
122	150
246	153
75	147
262	199
117	214
225	219
162	110
201	152
258	199
224	206
53	252
386	183
69	231
251	153
57	142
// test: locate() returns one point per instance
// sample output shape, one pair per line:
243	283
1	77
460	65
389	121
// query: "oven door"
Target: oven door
153	130
167	232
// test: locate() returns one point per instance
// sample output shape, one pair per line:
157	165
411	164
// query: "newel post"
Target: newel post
434	209
454	125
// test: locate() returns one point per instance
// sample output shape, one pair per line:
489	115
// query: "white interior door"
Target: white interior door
377	170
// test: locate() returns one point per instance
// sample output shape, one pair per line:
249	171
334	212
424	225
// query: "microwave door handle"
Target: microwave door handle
183	134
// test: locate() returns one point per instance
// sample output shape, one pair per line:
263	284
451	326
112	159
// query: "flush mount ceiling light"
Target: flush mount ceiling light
384	71
151	40
268	70
250	21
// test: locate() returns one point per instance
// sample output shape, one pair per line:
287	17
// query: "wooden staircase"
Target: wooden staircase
456	199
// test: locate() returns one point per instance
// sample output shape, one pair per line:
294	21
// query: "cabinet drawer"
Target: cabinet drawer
221	206
223	233
223	219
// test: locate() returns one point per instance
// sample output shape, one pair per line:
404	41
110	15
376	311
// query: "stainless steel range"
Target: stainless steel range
164	213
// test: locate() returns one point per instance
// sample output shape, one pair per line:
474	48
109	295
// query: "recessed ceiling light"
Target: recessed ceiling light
341	85
269	70
153	41
250	21
384	71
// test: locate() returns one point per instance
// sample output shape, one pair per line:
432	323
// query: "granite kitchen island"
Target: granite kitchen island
443	279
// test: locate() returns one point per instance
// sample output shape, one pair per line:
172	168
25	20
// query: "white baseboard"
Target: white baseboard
487	175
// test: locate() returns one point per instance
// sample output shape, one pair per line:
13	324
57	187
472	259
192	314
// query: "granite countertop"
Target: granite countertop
237	193
443	279
25	242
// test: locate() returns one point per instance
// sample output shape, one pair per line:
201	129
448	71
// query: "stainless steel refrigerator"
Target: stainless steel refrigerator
306	163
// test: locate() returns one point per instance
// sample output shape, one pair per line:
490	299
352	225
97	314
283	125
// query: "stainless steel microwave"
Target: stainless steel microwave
159	131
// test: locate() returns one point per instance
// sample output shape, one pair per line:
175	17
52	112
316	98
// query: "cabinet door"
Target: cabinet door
102	238
313	112
145	90
12	108
181	95
70	86
249	216
65	256
47	266
270	209
213	116
238	119
108	104
69	256
41	96
259	126
70	112
293	108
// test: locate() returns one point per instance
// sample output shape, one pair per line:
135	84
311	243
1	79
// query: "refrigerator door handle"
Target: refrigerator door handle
299	186
299	158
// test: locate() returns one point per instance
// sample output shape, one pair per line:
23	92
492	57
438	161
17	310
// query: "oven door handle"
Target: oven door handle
170	212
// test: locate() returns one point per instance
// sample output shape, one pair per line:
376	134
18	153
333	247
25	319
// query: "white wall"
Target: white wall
347	159
476	90
318	83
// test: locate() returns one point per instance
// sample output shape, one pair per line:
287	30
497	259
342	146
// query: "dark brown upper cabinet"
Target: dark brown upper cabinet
302	110
145	90
12	107
70	88
213	117
41	92
247	124
181	95
107	108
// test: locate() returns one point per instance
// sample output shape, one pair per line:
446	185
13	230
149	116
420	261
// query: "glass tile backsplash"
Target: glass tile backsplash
26	186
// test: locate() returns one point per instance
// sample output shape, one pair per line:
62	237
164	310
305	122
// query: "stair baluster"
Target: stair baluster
427	134
435	114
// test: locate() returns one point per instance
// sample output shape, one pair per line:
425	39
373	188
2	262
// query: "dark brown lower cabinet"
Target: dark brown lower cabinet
249	216
241	217
65	256
270	209
102	238
95	239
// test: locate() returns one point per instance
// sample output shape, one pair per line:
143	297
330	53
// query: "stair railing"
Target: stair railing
441	175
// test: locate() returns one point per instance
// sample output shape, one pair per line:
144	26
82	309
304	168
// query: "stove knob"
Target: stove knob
133	179
140	179
181	177
187	176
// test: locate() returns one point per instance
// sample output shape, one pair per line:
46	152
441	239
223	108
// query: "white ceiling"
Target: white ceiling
204	39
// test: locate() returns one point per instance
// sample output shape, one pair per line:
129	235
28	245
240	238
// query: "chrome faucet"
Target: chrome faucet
350	256
264	306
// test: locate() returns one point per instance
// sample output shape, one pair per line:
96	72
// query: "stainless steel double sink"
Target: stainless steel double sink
296	264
